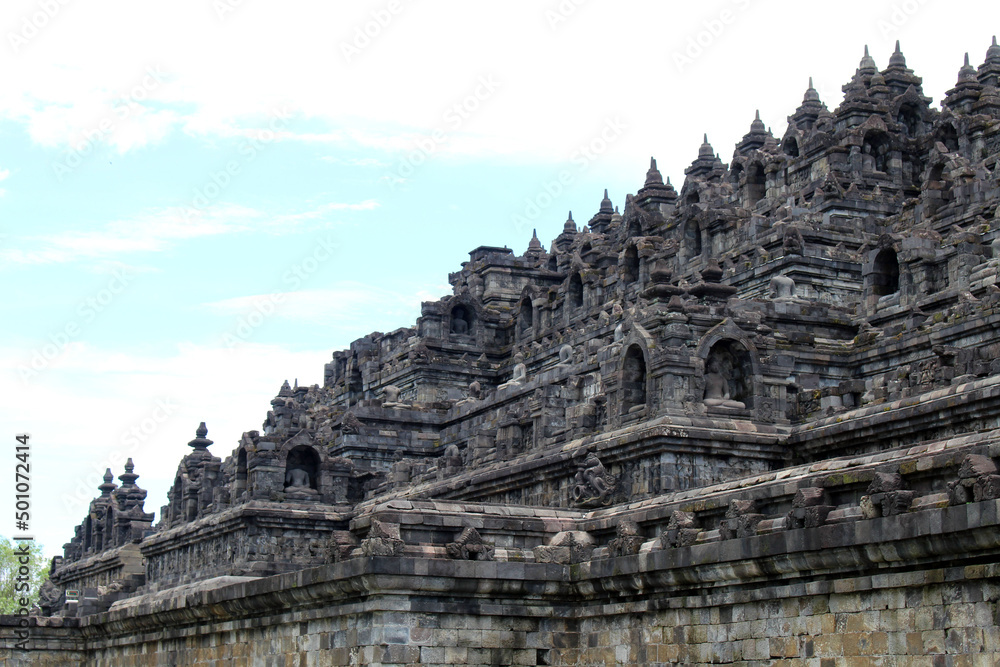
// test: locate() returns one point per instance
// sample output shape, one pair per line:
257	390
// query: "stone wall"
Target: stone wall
918	619
386	611
921	585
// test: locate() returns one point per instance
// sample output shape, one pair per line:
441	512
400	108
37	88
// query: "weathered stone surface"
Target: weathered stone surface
571	546
470	546
787	370
627	539
382	540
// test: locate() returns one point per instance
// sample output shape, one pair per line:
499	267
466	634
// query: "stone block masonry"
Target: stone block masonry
785	598
753	421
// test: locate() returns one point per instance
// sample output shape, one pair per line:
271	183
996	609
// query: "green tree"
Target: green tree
12	579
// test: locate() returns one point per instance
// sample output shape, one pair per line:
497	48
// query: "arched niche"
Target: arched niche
631	265
875	148
692	238
948	135
553	264
633	380
462	320
189	505
735	174
908	118
916	166
108	531
791	147
240	481
176	496
756	183
525	316
575	291
885	273
302	468
729	375
937	173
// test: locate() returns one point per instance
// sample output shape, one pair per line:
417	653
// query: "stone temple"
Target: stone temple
752	421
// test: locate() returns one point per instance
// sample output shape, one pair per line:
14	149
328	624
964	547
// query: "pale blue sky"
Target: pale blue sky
200	199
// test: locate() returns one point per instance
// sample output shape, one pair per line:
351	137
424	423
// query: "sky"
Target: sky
203	198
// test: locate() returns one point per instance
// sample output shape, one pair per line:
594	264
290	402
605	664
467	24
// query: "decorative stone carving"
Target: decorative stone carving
475	394
627	539
977	481
390	398
520	374
570	546
382	540
460	321
782	288
869	510
301	474
50	598
717	387
682	531
741	520
297	478
808	510
593	486
792	241
351	425
470	546
886	496
420	354
565	355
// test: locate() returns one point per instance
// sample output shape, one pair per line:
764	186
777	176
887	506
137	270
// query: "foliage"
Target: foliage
11	587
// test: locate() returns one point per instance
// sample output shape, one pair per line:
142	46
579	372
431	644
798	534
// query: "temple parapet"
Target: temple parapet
102	562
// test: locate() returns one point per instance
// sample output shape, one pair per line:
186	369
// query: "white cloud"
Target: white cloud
347	306
157	230
355	162
557	85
